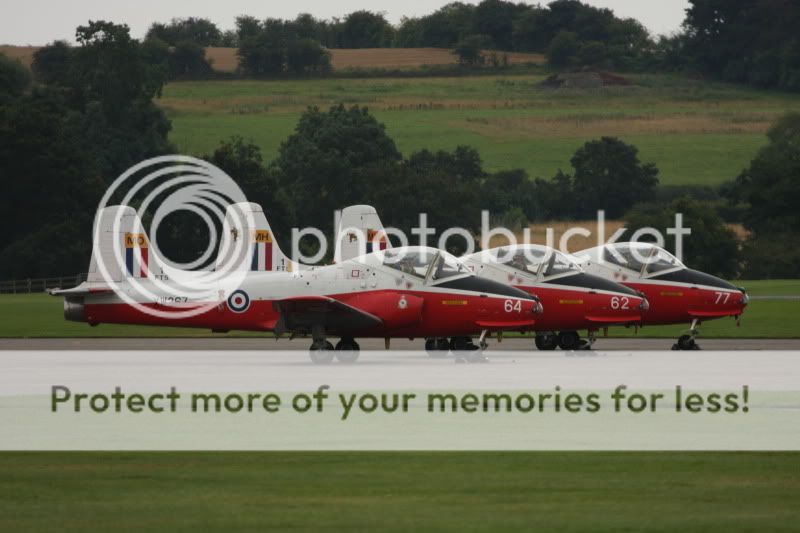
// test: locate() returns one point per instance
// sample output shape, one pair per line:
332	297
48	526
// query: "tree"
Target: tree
770	191
307	56
51	63
744	40
199	31
608	175
563	49
365	29
470	50
50	189
510	190
711	247
247	27
322	164
262	55
494	18
188	60
14	78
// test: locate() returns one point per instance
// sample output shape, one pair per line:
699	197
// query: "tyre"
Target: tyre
347	351
569	340
546	341
686	342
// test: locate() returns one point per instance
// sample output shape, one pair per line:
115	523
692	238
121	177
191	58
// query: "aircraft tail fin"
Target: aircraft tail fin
248	243
120	248
360	232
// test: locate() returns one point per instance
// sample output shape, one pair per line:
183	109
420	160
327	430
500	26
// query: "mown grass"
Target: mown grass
399	491
698	133
41	315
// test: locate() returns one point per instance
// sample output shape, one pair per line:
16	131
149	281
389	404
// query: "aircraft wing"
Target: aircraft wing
303	312
605	320
506	324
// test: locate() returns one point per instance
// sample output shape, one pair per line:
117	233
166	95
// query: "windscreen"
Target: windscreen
559	264
448	266
524	260
661	260
415	263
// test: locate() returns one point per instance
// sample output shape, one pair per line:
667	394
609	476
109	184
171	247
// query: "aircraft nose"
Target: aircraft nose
745	297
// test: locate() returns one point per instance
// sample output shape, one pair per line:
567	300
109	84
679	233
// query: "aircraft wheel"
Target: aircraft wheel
569	340
347	350
546	341
437	347
687	342
463	344
321	352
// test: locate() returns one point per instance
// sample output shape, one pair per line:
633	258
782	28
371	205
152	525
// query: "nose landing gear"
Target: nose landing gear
688	341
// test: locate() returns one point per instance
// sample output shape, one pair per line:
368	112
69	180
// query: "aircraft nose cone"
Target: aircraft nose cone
745	297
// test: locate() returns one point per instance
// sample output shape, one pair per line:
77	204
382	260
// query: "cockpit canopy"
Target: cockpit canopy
645	258
540	261
423	262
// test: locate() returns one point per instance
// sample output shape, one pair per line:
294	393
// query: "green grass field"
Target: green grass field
400	492
40	315
698	133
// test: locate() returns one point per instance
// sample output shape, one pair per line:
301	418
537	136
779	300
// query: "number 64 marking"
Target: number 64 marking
513	305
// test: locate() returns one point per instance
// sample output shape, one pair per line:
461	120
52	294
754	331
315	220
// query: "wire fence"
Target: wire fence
19	286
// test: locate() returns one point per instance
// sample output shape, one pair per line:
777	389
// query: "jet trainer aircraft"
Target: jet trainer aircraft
400	293
573	299
677	294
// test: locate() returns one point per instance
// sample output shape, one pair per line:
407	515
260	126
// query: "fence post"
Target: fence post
29	285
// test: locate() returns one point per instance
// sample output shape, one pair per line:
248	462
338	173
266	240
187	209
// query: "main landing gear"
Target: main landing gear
688	341
322	351
463	348
566	340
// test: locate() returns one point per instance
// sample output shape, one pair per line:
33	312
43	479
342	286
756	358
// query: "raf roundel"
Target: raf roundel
238	301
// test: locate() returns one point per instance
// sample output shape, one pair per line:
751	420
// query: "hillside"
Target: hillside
698	133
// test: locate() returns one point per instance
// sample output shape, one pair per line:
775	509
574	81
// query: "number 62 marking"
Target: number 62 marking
620	302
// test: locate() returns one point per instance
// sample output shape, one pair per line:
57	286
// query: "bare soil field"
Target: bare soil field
23	53
224	59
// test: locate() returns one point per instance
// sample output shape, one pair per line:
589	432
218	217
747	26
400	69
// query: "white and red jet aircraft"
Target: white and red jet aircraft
677	294
402	293
573	300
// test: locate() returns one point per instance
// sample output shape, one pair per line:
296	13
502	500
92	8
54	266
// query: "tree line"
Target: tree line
745	41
